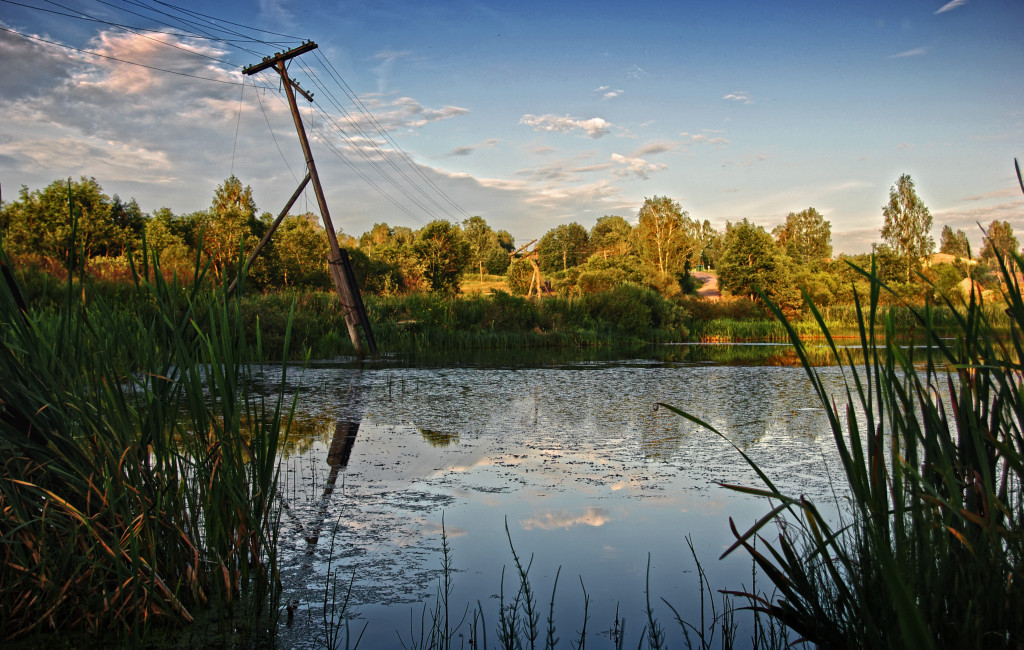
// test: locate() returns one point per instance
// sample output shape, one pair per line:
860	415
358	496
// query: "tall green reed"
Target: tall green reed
139	474
930	442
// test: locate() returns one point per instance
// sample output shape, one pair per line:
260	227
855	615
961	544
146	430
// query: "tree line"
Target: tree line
75	223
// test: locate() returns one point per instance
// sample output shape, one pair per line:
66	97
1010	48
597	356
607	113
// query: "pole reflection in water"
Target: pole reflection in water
337	457
351	411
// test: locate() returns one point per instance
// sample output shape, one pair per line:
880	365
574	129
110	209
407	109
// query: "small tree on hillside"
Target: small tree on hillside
907	226
998	237
954	243
806	237
750	260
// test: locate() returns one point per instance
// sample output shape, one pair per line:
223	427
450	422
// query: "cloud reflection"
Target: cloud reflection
565	520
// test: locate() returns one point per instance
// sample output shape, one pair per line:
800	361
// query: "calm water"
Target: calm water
587	473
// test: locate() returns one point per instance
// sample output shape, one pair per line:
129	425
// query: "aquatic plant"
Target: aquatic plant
139	474
931	445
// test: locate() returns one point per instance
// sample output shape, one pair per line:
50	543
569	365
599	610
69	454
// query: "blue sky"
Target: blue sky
533	114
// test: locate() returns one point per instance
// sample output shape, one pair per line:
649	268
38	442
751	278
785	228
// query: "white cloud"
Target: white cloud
404	112
739	96
633	166
703	138
553	520
950	6
594	127
917	51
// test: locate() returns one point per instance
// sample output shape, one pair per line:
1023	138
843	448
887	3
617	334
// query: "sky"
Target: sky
529	114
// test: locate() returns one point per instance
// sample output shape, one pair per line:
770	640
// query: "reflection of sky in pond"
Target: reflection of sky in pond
579	463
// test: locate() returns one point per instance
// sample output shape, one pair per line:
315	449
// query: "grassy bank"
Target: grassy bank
841	321
625	316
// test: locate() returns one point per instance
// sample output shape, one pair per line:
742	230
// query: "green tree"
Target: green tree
659	234
750	260
394	267
709	245
562	247
907	225
610	236
166	236
519	276
954	243
999	238
128	222
806	237
444	255
484	246
40	222
302	249
229	228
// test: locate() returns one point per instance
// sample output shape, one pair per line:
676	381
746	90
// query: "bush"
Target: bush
519	276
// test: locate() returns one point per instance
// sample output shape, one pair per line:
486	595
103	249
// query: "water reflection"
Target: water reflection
439	438
351	410
574	458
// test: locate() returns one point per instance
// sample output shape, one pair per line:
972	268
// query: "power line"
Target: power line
328	142
373	145
114	58
380	129
274	136
204	27
255	29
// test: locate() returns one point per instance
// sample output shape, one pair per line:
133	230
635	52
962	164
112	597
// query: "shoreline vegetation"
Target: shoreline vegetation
623	317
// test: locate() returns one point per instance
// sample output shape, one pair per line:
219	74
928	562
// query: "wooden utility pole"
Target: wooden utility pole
337	261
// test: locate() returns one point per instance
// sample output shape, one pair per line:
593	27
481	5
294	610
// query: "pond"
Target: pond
572	461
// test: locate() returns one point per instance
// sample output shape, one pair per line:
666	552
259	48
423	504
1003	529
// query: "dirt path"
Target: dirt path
709	289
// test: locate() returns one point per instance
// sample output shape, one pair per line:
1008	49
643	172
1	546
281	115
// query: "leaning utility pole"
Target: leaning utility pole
338	261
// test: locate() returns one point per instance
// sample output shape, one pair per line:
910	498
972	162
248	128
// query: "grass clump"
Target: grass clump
138	472
931	446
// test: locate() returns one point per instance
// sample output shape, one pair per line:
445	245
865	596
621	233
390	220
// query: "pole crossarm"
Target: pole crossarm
271	61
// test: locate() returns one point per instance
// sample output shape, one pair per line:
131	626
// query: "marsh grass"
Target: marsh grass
138	471
522	621
626	316
841	323
929	436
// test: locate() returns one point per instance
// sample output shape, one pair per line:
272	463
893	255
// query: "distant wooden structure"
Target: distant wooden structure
532	256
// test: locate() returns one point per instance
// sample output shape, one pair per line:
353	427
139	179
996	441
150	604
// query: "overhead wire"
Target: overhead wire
138	31
274	137
329	144
114	58
380	129
191	24
361	149
199	27
255	29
